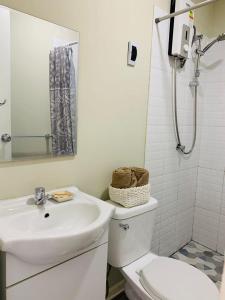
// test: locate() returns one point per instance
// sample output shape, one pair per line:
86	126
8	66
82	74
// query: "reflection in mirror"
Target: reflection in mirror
38	94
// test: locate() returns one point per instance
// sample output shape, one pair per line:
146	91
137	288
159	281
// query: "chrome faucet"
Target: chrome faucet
40	197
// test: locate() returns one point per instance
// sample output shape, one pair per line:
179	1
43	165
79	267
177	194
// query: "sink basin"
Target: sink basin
52	233
55	220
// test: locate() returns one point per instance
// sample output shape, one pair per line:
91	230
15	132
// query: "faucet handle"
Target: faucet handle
39	192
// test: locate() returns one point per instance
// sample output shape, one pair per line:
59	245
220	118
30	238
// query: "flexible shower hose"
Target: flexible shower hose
180	146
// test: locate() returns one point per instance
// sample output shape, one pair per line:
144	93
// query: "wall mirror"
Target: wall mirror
38	94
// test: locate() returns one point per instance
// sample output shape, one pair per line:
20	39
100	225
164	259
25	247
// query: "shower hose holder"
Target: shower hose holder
180	148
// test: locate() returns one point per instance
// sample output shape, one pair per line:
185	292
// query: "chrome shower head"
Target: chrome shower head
220	38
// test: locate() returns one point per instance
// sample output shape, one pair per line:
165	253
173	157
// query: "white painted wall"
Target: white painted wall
108	104
173	177
5	124
32	40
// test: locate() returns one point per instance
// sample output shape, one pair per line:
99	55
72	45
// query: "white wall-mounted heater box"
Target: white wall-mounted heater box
181	30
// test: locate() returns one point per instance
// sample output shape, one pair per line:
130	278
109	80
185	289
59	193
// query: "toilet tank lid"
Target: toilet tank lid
121	213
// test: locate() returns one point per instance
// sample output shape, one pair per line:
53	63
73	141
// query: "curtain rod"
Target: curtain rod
182	11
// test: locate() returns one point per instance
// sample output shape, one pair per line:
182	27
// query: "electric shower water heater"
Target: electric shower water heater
181	30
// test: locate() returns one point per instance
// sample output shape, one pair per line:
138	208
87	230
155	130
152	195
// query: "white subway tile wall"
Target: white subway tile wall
173	177
206	225
190	190
209	219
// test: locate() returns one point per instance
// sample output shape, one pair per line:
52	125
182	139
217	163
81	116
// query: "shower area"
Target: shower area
185	147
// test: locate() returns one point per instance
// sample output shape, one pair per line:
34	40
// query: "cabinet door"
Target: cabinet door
5	110
81	278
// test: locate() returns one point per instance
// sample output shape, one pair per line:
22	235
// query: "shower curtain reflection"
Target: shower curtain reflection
63	101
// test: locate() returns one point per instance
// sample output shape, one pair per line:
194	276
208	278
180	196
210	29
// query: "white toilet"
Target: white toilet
148	276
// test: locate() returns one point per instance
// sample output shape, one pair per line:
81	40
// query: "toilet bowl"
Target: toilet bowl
148	276
160	278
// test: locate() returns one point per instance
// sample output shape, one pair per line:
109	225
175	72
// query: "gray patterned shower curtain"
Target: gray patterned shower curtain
62	101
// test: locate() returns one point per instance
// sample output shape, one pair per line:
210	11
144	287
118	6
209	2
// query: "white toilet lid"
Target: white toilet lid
169	279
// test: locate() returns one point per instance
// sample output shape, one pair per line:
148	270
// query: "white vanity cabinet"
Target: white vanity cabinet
81	278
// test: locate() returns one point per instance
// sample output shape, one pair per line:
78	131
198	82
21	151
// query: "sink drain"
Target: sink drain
47	215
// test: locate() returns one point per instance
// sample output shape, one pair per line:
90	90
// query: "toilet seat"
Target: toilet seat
169	279
133	274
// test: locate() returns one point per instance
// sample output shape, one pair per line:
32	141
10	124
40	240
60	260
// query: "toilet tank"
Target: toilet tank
130	233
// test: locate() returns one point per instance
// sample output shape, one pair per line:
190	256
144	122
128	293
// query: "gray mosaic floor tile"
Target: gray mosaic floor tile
204	259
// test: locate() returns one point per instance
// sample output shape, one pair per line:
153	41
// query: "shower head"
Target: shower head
220	38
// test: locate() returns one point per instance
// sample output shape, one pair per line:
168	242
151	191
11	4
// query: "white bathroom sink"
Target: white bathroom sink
54	232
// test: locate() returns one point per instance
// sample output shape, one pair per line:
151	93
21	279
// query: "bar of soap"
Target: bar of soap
62	196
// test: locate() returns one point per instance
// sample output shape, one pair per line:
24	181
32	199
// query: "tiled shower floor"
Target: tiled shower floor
206	260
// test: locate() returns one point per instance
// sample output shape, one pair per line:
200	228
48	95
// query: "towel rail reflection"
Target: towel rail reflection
46	136
6	138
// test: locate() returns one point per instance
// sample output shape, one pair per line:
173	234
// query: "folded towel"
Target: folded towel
142	176
124	178
133	179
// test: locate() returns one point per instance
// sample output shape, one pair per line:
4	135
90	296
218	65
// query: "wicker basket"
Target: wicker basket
130	197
